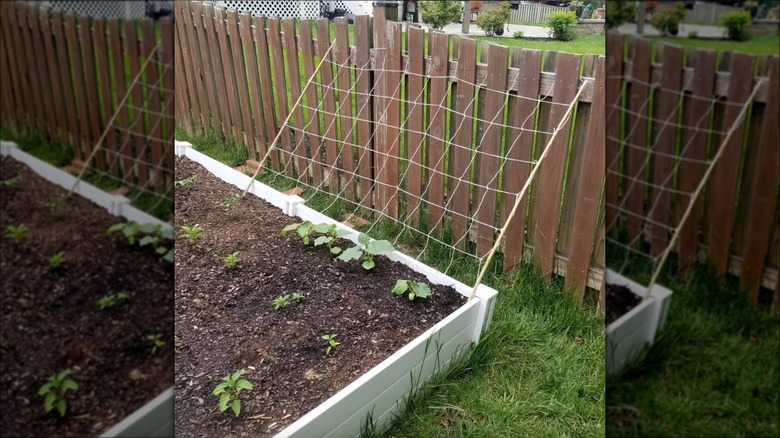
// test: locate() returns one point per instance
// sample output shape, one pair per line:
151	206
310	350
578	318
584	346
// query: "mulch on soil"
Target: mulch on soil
225	320
619	301
51	321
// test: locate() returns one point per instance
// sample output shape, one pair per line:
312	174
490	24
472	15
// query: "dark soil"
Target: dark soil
620	300
225	320
51	320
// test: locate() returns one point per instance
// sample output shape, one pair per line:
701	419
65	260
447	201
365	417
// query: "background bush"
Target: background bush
561	25
619	13
440	13
494	19
736	24
667	20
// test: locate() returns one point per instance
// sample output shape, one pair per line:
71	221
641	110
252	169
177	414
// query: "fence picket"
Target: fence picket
414	137
439	43
312	102
341	55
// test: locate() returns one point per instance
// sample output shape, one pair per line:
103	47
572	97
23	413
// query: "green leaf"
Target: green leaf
149	228
349	254
244	384
48	402
364	239
168	257
236	375
236	407
114	228
335	250
306	240
130	229
322	239
322	228
224	399
147	240
380	246
290	227
368	265
411	296
400	287
69	384
62	406
45	388
161	250
220	388
422	290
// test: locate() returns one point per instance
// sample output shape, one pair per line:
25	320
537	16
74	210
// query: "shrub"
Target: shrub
693	35
619	13
493	20
438	14
667	20
736	24
518	35
561	25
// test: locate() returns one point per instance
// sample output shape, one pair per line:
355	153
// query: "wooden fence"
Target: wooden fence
228	61
534	12
703	12
737	220
64	76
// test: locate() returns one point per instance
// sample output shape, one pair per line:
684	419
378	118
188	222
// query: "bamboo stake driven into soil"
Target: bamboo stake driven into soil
110	122
697	192
520	195
287	120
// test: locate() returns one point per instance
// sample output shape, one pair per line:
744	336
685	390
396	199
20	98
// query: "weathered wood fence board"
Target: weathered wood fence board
394	130
736	219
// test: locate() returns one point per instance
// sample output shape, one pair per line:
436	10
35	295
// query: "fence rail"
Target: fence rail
534	12
737	222
230	59
64	76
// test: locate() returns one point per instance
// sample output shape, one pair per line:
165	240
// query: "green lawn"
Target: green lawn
757	44
713	370
539	371
582	44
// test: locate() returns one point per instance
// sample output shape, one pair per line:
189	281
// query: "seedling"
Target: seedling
111	300
329	234
332	342
229	389
17	233
157	343
415	289
57	202
53	392
192	233
231	202
297	297
151	235
281	302
366	249
231	260
10	182
57	259
185	182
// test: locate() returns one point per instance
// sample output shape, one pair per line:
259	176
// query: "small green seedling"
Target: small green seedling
10	182
231	202
53	392
57	202
151	235
366	250
229	389
332	342
111	300
17	233
185	181
157	342
192	233
329	234
297	297
231	260
415	289
57	259
281	302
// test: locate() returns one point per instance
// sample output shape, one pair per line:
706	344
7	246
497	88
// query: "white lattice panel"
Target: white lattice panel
132	9
281	9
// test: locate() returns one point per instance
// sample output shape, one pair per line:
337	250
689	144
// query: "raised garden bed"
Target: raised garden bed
631	332
225	320
51	319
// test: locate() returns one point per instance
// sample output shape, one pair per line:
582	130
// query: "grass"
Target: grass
757	44
713	370
582	44
539	371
